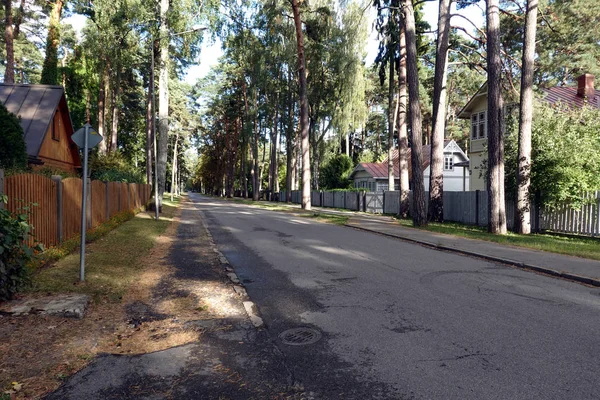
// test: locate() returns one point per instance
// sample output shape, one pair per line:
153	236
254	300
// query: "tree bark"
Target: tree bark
149	143
436	177
9	73
50	66
495	182
255	168
523	217
163	99
102	146
303	107
391	113
419	216
289	141
402	129
115	109
174	166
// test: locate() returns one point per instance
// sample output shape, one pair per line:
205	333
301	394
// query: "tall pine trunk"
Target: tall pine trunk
303	107
436	177
523	219
102	146
9	73
402	128
174	166
116	98
495	182
289	144
419	216
50	66
255	167
149	143
391	112
163	99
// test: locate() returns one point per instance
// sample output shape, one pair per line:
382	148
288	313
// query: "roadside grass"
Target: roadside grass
111	260
578	246
330	218
261	203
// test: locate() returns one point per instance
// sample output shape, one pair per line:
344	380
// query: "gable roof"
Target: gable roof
565	95
35	105
380	170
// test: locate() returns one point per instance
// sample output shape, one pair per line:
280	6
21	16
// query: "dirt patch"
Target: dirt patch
156	313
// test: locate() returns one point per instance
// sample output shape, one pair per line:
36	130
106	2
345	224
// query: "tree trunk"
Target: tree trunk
116	95
174	166
435	212
402	129
245	139
391	112
149	143
50	66
102	146
419	213
523	218
275	146
303	108
495	182
9	73
163	99
289	144
255	168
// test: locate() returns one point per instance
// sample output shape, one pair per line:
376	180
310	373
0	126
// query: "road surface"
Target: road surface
401	321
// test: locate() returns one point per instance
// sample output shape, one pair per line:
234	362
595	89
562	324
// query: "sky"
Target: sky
211	50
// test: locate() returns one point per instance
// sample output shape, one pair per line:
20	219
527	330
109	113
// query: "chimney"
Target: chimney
585	86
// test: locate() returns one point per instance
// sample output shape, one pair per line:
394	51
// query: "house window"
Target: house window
56	126
479	125
448	163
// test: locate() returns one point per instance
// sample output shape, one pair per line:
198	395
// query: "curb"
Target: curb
536	268
250	308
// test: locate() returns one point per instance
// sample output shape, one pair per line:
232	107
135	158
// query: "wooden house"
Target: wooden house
374	176
46	123
476	110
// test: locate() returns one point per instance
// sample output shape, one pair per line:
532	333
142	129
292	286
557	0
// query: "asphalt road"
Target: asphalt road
404	321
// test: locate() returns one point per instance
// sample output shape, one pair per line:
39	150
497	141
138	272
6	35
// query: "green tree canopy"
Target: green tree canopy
13	153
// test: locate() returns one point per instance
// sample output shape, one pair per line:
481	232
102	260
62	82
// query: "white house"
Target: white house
374	176
476	110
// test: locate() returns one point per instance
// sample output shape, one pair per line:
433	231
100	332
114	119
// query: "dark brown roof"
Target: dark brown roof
567	96
35	105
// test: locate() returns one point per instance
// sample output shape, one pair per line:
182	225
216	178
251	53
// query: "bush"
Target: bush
13	152
15	253
334	174
113	167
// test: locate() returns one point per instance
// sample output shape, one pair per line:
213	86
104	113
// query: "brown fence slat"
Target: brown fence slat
71	207
98	194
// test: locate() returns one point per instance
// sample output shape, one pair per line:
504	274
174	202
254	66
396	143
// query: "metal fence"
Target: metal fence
465	207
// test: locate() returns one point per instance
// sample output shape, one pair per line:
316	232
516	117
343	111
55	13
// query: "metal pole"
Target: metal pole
83	205
153	106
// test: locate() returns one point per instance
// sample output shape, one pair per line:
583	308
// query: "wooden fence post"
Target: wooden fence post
88	204
106	202
1	187
129	196
59	207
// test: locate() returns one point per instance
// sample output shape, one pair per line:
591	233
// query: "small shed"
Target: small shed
46	123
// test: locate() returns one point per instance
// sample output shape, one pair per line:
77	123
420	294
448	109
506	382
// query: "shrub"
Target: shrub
334	174
13	152
113	167
15	253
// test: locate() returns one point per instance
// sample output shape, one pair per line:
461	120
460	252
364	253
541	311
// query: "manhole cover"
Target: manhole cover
300	336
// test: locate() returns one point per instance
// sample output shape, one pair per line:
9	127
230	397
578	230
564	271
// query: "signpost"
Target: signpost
86	138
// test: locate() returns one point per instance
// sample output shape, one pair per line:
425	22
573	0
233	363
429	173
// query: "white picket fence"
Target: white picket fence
466	207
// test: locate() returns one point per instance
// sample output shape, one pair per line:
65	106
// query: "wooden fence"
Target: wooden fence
57	215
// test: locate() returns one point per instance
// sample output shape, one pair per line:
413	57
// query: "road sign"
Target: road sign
86	138
93	137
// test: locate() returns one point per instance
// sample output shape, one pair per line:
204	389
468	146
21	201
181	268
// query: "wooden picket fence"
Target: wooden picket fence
57	213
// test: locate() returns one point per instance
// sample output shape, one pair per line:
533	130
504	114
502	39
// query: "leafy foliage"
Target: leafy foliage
565	156
113	167
13	153
334	174
15	253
